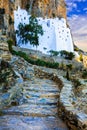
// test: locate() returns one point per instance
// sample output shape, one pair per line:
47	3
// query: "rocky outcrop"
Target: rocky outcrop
48	8
40	8
85	61
43	8
4	52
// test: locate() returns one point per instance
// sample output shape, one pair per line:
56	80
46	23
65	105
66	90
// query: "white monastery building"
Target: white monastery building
56	35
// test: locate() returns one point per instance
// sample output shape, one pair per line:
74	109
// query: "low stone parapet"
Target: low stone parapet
75	119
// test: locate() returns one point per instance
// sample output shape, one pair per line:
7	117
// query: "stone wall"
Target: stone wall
74	119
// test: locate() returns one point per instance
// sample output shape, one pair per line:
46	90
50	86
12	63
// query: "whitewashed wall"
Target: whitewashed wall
56	34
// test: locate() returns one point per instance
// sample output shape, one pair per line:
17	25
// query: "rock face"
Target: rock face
85	61
40	8
48	8
6	17
4	52
43	8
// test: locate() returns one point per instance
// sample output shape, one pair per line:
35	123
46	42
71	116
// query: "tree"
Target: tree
53	53
29	32
67	55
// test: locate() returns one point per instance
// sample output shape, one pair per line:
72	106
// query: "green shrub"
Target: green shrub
69	66
67	55
84	74
76	83
53	53
10	43
38	62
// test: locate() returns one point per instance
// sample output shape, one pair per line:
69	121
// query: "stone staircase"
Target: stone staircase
37	109
32	101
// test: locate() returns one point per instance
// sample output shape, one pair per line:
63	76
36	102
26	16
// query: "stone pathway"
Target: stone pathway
37	109
37	101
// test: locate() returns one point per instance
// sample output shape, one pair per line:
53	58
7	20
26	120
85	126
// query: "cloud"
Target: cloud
77	19
85	9
71	6
78	25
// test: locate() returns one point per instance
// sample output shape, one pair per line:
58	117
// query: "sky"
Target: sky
77	20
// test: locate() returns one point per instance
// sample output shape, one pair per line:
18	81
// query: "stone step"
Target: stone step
41	94
17	122
37	100
41	82
33	110
42	90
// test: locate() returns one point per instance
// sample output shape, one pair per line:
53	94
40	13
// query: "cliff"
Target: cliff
39	8
48	8
43	8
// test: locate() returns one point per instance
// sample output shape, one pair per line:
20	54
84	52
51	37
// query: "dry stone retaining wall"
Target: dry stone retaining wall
74	119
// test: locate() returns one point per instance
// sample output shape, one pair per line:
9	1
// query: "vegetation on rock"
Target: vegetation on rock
38	62
84	74
53	53
67	55
7	75
10	43
76	83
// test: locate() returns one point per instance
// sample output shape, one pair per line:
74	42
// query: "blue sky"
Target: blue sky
77	19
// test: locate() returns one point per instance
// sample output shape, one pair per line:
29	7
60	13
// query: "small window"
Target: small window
65	39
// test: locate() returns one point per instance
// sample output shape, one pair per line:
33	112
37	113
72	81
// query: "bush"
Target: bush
69	66
53	53
10	43
38	62
67	55
76	83
84	74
